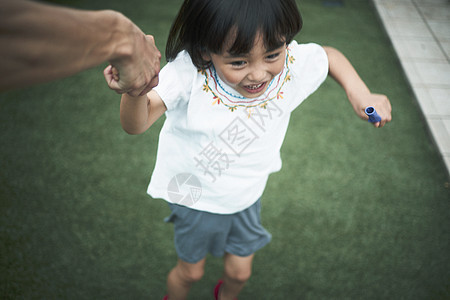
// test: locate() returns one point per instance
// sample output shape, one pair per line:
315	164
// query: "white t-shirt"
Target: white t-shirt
216	148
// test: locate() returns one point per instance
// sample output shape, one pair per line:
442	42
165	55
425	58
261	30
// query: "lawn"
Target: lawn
355	213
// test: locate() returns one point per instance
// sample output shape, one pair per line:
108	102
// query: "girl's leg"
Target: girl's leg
182	277
237	271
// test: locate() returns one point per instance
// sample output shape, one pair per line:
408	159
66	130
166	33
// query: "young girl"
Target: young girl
233	78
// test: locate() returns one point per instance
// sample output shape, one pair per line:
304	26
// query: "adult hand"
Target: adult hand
136	73
75	40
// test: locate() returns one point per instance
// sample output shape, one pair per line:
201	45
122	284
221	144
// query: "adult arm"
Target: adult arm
43	42
358	93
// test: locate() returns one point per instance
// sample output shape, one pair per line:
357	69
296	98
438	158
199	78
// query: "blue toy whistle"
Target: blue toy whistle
372	113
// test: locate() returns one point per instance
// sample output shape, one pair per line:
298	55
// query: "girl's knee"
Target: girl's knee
193	275
240	275
238	268
191	272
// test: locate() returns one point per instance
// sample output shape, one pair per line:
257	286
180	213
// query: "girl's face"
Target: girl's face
250	74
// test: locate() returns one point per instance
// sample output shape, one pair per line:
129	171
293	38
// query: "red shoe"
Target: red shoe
217	289
166	297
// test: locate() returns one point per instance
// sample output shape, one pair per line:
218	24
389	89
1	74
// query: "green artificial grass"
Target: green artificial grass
355	213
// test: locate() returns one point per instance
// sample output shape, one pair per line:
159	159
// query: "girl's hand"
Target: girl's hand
357	92
111	74
379	102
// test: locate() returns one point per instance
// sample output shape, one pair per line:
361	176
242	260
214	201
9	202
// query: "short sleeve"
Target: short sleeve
309	69
175	81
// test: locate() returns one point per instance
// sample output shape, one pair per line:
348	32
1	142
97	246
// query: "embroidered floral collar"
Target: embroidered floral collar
223	94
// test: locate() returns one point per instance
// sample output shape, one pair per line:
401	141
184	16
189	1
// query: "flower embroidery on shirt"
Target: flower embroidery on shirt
222	94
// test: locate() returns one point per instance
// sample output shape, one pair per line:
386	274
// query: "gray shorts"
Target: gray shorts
198	233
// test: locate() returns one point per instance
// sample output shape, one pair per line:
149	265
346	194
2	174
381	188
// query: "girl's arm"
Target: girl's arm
357	92
137	114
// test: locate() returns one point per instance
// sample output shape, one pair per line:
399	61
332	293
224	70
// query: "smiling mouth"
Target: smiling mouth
255	88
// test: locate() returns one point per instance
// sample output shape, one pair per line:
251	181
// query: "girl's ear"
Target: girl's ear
206	56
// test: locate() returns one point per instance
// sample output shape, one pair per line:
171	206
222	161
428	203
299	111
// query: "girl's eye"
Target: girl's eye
238	63
273	56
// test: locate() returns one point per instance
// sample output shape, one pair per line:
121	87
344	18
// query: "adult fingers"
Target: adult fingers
150	86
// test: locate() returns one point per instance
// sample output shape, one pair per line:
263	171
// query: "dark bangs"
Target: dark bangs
205	26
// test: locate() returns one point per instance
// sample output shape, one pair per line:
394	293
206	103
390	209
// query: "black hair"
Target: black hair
203	26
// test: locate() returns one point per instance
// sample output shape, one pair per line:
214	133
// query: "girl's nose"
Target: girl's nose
257	75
